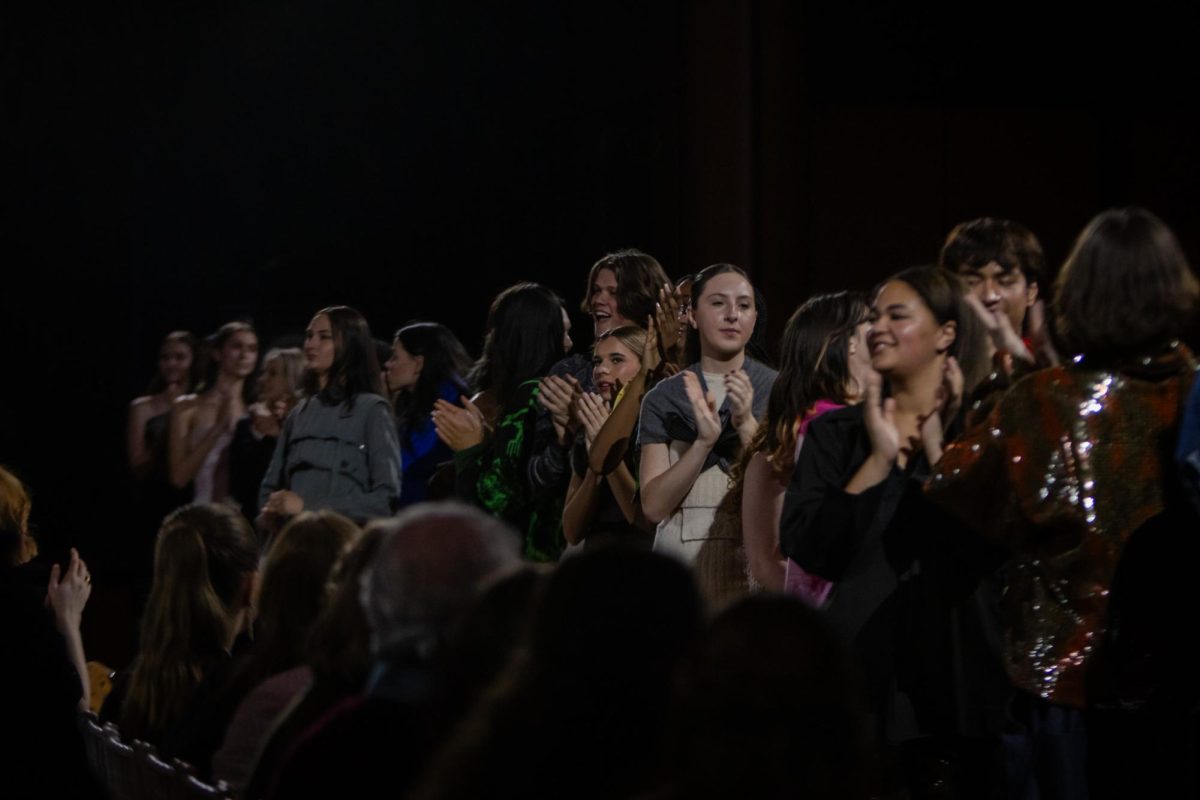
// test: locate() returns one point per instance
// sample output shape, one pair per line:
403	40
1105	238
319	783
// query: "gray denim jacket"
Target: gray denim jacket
338	457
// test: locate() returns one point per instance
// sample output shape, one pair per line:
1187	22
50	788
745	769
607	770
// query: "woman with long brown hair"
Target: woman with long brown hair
823	366
204	567
338	448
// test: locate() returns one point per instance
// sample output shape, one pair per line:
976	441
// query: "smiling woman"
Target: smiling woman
854	515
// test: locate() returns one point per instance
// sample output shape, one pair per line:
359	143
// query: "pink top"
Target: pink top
796	582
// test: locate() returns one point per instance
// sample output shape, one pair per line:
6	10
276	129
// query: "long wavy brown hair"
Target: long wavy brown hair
814	365
202	558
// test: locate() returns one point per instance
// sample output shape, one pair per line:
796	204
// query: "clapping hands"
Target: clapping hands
460	427
591	411
558	395
704	410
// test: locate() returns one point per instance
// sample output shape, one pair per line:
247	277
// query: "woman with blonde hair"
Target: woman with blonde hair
599	506
255	435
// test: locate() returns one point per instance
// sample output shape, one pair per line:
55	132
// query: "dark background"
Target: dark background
175	165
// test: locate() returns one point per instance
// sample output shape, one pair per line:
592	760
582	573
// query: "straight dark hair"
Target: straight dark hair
1125	289
355	368
524	339
446	360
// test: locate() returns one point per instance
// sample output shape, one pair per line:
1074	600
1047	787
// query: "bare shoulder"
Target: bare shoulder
185	404
142	408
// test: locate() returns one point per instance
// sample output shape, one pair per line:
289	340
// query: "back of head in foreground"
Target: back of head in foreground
204	561
432	562
771	707
1126	290
583	711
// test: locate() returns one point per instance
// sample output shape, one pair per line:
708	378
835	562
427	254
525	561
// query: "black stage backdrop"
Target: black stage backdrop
176	165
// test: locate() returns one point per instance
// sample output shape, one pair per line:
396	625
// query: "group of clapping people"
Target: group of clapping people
943	546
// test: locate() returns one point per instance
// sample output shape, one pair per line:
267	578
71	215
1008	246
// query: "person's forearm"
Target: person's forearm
580	507
611	442
769	572
746	430
663	494
74	642
624	490
762	507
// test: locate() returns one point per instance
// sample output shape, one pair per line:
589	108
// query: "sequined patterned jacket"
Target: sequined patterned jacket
1069	464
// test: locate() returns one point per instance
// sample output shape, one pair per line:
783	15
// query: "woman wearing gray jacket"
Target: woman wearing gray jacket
338	449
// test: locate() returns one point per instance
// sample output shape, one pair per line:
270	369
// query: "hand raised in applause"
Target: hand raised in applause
999	329
558	394
667	319
651	357
704	410
591	411
879	417
741	404
461	428
1039	334
68	592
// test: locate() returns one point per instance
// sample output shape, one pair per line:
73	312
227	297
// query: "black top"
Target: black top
910	595
608	524
249	457
44	751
